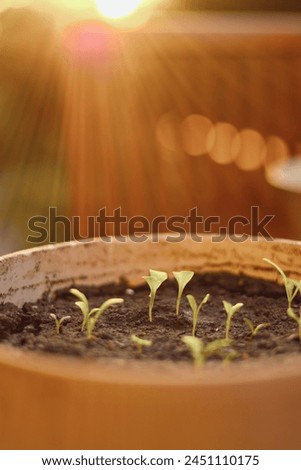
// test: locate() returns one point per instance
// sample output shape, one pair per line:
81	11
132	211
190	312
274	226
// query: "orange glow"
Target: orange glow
74	4
249	150
219	142
194	130
47	4
90	40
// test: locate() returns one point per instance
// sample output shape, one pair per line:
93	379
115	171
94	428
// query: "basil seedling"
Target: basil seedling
196	309
297	319
91	316
255	329
96	313
292	286
230	311
154	280
182	278
140	343
59	321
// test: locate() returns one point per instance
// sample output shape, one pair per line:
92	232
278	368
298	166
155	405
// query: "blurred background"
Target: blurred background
154	106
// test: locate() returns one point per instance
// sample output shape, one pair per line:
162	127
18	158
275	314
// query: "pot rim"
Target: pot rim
152	373
148	373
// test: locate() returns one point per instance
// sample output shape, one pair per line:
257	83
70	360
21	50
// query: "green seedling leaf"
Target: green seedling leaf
58	322
196	309
216	346
292	287
259	327
220	347
196	347
140	343
83	304
182	278
297	319
159	275
95	314
80	295
91	316
276	267
230	311
154	280
201	352
250	325
255	330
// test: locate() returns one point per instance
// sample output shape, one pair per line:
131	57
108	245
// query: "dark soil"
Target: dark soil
31	327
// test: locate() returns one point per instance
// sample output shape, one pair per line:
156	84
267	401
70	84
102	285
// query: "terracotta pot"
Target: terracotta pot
62	403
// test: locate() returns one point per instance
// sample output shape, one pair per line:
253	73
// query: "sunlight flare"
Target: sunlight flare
115	9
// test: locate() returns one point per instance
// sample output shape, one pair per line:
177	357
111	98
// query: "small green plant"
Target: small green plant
59	321
91	316
292	287
182	278
154	280
96	313
200	352
255	329
140	343
196	309
83	304
230	311
196	347
297	319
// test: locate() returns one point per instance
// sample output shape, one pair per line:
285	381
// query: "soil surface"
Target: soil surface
32	328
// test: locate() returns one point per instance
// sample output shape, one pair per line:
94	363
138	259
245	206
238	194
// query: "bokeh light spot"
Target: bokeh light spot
219	142
194	132
277	150
167	131
286	174
249	150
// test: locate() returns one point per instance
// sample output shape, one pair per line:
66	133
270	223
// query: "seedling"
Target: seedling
95	313
200	352
154	280
216	347
196	347
255	330
182	278
292	287
297	319
196	309
83	304
230	311
140	343
91	316
59	321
